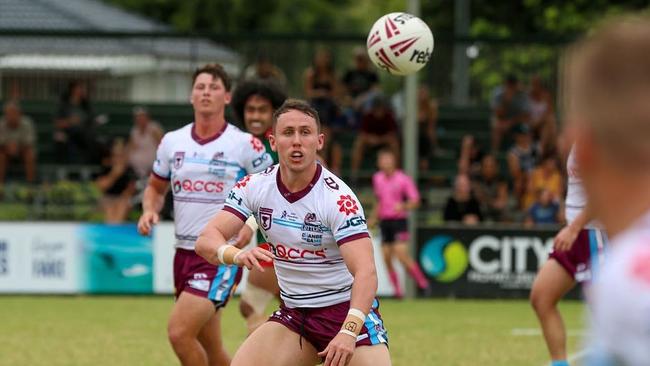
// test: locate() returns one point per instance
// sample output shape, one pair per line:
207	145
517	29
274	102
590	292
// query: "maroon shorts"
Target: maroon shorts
320	325
583	259
195	275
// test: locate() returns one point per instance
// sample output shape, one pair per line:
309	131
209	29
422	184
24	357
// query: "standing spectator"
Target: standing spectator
17	141
321	88
471	156
522	158
361	82
542	114
74	126
491	190
462	206
378	127
396	195
510	107
544	211
117	183
545	176
264	70
143	141
427	120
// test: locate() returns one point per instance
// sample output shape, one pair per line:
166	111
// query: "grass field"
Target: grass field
98	331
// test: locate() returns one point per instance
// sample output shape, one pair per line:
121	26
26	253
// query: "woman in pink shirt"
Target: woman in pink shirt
396	195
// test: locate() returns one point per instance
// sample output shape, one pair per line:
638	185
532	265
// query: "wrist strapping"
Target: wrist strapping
252	223
353	322
227	254
345	331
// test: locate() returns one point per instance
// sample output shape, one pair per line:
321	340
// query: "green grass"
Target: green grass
97	331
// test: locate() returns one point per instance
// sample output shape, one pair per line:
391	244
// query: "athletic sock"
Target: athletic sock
419	277
559	363
395	282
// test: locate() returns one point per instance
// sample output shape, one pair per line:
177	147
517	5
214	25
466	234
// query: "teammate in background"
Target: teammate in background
609	114
202	161
396	195
254	103
576	248
321	249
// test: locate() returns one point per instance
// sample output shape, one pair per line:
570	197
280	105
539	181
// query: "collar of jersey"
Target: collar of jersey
295	196
203	141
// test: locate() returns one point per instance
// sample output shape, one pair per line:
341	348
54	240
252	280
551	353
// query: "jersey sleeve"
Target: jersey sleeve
410	189
256	159
346	218
161	167
238	200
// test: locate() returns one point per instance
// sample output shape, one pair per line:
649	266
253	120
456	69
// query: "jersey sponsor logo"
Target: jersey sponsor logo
217	156
242	182
233	197
285	252
257	144
347	205
311	223
179	157
352	222
331	183
266	217
289	216
260	160
189	185
268	170
315	239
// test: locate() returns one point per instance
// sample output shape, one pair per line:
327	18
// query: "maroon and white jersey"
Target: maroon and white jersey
201	172
304	230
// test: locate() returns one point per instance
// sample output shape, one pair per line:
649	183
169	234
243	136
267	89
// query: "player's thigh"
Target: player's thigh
376	355
273	344
189	315
552	283
401	250
265	280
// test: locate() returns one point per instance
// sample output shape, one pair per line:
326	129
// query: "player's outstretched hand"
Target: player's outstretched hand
244	237
339	351
565	238
147	221
251	258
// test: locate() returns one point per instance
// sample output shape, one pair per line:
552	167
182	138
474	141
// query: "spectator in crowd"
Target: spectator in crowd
263	69
74	126
546	176
542	114
361	82
462	206
117	183
17	141
522	158
491	190
378	128
510	107
544	210
470	157
144	138
427	120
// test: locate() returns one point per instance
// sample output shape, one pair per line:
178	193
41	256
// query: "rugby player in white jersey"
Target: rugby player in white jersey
609	113
201	161
576	255
321	250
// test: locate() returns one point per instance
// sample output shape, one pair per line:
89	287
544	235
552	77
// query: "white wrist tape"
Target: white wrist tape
345	331
357	313
252	223
222	249
234	259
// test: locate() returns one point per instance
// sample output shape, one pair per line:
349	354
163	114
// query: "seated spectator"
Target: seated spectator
491	190
263	69
462	206
542	114
471	157
544	210
117	183
510	107
546	176
17	141
74	126
427	120
143	141
522	158
378	128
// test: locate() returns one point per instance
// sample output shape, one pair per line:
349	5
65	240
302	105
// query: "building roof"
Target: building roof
92	16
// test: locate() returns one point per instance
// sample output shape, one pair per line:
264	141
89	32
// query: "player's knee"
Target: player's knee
245	309
178	335
538	300
256	299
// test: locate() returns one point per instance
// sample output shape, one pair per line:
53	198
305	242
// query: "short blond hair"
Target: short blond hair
608	88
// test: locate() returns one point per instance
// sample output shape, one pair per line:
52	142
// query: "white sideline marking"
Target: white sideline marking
533	332
576	356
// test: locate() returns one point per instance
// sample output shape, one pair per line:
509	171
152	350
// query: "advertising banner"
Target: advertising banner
483	263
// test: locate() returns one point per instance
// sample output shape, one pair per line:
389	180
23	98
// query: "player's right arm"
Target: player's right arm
152	203
567	236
